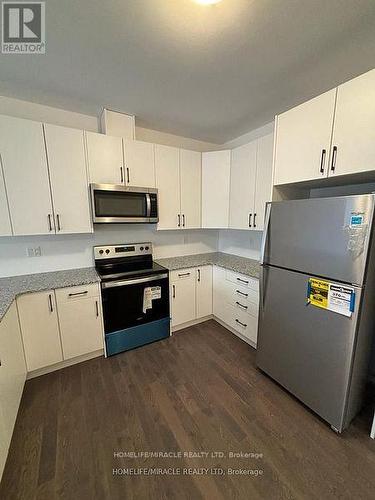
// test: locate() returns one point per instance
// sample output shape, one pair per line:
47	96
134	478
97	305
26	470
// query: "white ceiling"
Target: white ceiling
207	72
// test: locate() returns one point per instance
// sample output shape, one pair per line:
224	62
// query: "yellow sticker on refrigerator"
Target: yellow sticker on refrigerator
334	297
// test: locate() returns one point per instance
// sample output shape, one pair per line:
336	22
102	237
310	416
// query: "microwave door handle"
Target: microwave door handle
148	205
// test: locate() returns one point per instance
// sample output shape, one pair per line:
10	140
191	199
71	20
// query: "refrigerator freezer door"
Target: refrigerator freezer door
308	350
324	236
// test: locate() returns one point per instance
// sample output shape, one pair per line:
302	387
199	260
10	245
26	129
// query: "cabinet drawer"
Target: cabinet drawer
182	274
250	308
242	294
77	292
242	280
244	324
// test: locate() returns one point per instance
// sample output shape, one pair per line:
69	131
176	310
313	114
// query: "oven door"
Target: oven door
122	204
126	303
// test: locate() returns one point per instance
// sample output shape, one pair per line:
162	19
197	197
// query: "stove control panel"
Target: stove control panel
122	250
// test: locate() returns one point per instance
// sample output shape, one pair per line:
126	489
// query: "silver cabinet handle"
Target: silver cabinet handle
334	156
50	302
78	293
241	305
242	281
128	174
174	291
179	220
58	222
183	220
241	293
240	323
183	274
322	161
122	175
50	222
199	275
254	224
97	308
250	215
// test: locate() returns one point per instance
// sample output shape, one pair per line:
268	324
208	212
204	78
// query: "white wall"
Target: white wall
242	243
250	136
148	135
74	251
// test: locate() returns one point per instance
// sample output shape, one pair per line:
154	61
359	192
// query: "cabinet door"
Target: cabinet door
80	321
24	163
139	164
215	189
191	188
12	378
242	186
168	184
183	299
5	225
263	183
69	184
353	131
105	158
40	329
303	140
204	291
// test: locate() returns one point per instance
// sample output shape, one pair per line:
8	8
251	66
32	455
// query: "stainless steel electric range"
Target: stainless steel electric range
135	296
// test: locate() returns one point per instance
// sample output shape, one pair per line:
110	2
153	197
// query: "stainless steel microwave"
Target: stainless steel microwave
118	204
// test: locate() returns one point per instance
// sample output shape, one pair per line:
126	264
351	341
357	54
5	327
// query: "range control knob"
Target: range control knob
146	248
141	249
101	252
107	251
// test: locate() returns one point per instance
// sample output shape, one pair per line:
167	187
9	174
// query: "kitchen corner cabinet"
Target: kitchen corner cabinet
26	178
40	329
353	138
68	176
178	180
303	137
139	164
5	224
80	320
215	189
203	291
183	298
105	158
12	378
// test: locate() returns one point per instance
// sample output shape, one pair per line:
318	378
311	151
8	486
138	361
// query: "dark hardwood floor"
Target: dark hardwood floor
197	391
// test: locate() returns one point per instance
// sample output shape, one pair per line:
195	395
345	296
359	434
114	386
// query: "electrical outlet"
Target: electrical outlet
30	252
37	252
34	252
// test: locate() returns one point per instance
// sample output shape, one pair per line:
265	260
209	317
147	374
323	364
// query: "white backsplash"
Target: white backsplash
74	251
242	243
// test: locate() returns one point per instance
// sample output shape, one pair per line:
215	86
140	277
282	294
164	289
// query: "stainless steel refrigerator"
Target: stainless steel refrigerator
316	343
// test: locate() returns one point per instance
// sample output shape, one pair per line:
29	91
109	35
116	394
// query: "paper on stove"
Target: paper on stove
150	293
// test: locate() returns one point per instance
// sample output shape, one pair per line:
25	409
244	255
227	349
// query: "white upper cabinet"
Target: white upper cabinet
105	158
168	184
5	225
139	164
303	140
191	182
263	182
354	131
242	186
25	169
67	167
215	189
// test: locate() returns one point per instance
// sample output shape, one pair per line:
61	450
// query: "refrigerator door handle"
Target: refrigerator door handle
261	288
265	233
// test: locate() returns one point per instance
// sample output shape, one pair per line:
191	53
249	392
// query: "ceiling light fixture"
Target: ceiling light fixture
207	2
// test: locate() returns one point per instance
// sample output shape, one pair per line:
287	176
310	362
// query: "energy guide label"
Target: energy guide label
333	297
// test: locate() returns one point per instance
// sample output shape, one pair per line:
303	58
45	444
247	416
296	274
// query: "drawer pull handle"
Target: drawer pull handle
174	291
243	281
241	305
78	293
183	274
50	303
241	293
242	324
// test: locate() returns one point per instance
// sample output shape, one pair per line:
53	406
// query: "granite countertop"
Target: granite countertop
242	265
16	285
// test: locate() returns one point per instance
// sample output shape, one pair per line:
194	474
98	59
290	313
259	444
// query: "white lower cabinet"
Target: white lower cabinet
235	302
203	291
40	329
83	335
58	325
183	293
12	378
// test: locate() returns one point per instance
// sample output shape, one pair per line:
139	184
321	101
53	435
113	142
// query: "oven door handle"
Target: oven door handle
136	281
